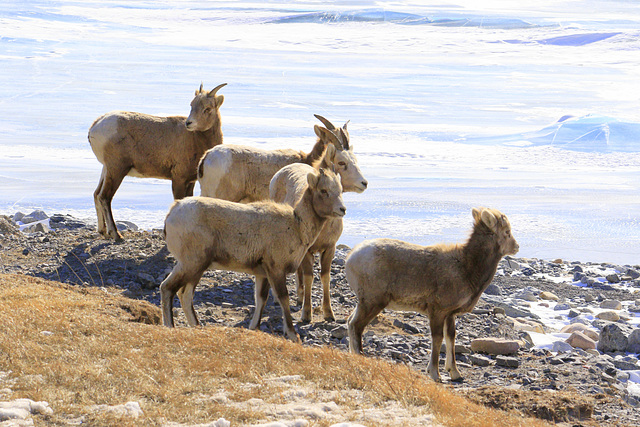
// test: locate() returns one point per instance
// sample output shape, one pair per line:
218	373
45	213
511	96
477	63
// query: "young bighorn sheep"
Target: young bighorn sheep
440	281
287	186
146	146
242	174
266	239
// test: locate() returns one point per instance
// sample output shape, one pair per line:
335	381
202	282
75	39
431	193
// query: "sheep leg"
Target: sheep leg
325	277
185	294
180	189
436	323
110	183
261	293
279	286
99	211
450	340
168	289
306	266
359	319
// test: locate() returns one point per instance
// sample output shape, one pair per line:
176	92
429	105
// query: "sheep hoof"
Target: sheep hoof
330	318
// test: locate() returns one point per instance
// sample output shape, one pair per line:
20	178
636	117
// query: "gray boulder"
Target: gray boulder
614	337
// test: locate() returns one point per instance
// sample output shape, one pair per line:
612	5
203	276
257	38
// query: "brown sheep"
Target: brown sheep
266	239
439	281
141	145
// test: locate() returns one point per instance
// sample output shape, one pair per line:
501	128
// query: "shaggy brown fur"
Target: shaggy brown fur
266	239
439	281
146	146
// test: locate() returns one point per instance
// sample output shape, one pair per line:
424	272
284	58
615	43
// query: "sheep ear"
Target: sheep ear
476	214
312	180
319	131
330	155
219	100
329	158
489	219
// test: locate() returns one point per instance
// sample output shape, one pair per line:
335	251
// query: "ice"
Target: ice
530	107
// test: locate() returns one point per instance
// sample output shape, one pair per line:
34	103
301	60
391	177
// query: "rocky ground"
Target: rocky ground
575	384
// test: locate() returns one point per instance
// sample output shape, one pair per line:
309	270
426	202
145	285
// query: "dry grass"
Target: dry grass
101	351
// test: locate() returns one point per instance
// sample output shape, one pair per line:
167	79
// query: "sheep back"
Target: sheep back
242	174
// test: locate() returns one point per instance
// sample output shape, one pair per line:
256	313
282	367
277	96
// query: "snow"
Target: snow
531	108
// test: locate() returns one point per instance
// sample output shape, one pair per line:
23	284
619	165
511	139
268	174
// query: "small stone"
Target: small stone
549	296
495	346
613	278
610	316
339	332
147	280
479	360
508	362
25	251
562	306
580	340
582	328
611	304
561	347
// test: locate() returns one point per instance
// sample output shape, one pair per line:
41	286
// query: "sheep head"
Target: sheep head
346	163
327	193
205	109
498	225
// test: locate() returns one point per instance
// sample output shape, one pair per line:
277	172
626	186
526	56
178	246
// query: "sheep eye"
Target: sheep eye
324	192
207	110
343	164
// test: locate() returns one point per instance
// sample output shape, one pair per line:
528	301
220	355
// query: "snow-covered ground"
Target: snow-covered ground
530	107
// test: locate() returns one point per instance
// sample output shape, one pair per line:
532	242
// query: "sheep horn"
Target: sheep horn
344	138
345	125
325	122
216	89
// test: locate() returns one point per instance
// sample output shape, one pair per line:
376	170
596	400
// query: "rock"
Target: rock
562	306
479	360
509	308
561	347
634	274
339	332
549	296
495	346
613	278
582	328
493	289
7	227
405	326
614	337
611	304
35	227
627	363
610	316
580	340
633	345
523	324
509	362
18	217
126	225
34	216
147	280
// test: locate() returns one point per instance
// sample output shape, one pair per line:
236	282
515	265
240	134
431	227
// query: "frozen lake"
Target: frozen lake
531	109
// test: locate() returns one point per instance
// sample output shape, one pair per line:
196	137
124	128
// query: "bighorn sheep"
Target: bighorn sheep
440	281
242	174
288	186
146	146
266	239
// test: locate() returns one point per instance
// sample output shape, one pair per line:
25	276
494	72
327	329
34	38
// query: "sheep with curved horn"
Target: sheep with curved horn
146	146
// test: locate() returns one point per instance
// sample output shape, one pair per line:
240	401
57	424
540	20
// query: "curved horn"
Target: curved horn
325	122
216	89
200	90
345	138
344	126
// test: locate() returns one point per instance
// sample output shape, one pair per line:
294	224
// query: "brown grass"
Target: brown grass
103	350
